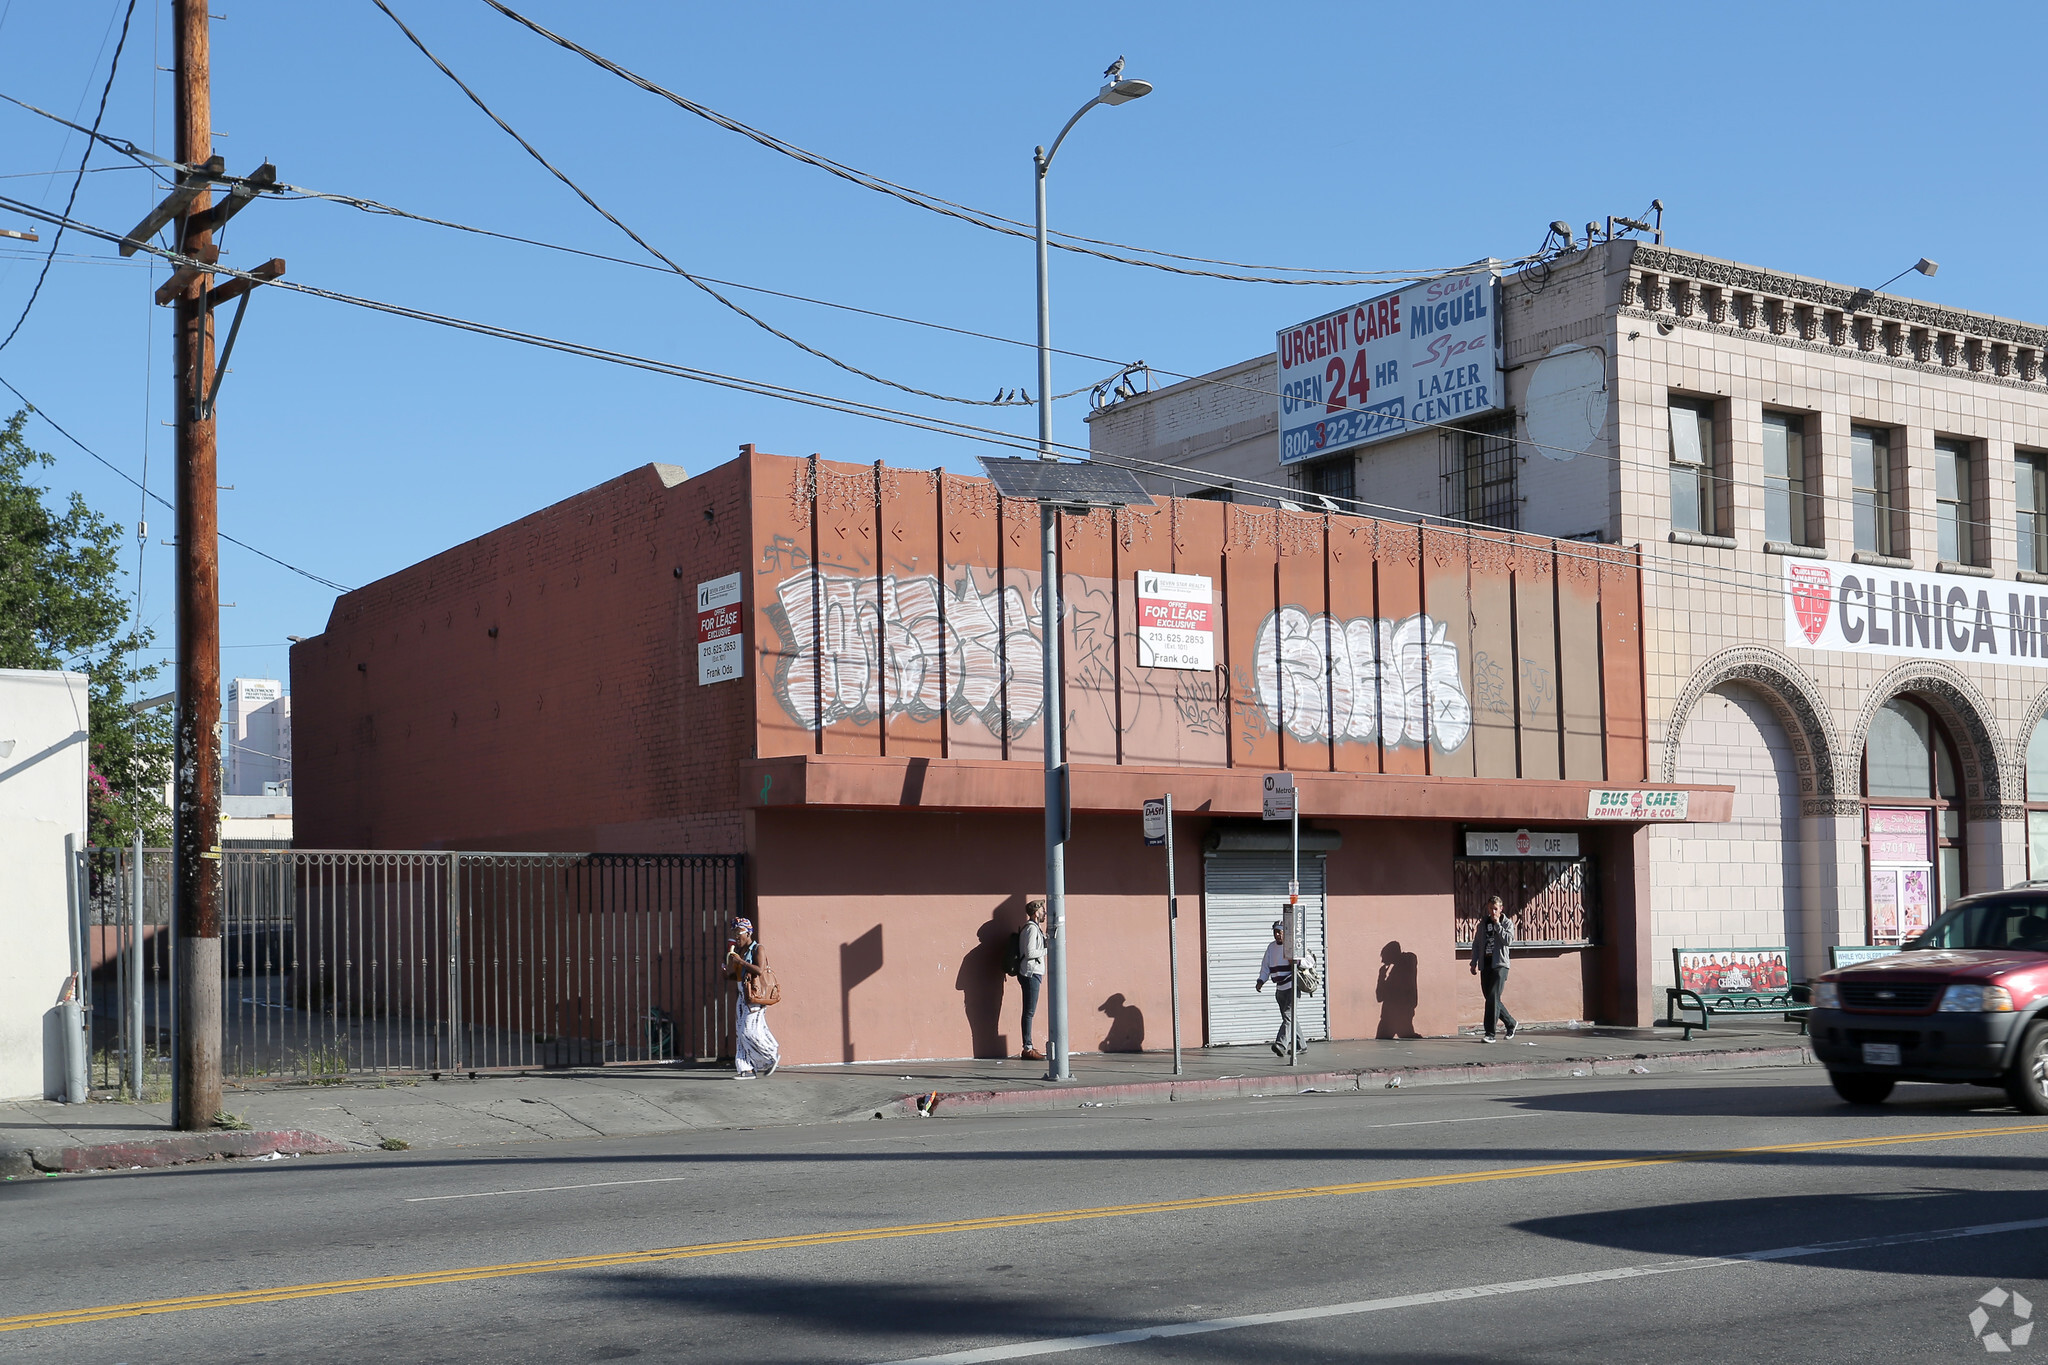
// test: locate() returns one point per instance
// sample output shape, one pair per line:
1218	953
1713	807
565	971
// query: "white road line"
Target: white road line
1424	1123
1057	1345
550	1189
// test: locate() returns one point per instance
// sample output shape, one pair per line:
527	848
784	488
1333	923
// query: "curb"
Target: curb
179	1150
1371	1078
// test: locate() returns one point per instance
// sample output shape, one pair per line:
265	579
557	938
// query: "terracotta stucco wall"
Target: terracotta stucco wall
887	931
535	687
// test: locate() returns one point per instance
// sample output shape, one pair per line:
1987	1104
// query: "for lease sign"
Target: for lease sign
1176	620
721	647
1863	609
1428	353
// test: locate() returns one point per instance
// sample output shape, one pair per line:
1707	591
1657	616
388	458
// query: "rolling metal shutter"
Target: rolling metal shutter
1243	893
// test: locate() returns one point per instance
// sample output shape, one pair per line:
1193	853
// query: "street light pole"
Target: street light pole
1059	1066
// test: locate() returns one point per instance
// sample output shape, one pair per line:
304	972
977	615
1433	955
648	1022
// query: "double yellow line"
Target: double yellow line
72	1317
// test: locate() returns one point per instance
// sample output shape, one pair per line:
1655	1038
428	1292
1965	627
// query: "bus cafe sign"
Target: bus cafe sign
1859	609
1424	354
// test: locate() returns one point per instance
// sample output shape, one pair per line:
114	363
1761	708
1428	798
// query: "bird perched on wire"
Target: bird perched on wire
1116	68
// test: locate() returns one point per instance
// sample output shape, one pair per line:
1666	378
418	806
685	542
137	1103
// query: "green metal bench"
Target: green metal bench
1741	986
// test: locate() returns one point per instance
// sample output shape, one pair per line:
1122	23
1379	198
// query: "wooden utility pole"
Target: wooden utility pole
197	842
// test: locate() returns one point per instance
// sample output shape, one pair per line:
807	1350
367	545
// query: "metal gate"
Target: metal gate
338	962
1242	894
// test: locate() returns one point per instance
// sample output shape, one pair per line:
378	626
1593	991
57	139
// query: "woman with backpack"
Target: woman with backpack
1031	970
755	1051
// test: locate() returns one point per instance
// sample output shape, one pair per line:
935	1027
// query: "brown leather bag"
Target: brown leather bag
763	988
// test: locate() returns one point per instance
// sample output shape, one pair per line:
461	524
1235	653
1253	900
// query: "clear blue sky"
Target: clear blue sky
1838	140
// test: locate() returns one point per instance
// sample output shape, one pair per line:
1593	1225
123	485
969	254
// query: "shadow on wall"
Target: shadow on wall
1126	1025
981	978
858	961
1398	992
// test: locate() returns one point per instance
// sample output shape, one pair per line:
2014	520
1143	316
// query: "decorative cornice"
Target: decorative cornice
1666	263
1921	342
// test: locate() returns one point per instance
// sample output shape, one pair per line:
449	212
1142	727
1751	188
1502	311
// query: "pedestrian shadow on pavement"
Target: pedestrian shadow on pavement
1398	991
1762	1222
1126	1026
982	981
1765	1101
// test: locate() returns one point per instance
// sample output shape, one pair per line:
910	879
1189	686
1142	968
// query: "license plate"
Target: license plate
1880	1054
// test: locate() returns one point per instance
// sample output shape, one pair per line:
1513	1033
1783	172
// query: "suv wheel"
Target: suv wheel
1859	1087
2027	1082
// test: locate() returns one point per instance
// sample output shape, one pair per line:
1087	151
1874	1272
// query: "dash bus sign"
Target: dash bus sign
1402	362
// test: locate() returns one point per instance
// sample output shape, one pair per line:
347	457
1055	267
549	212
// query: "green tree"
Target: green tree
61	607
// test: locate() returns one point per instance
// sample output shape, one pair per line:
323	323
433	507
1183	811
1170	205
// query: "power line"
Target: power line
1086	246
265	554
1650	561
79	179
612	218
285	190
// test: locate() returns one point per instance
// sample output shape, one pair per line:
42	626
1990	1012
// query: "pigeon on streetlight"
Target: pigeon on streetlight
1116	68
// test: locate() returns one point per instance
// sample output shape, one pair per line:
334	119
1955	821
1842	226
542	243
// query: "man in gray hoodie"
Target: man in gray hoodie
1490	949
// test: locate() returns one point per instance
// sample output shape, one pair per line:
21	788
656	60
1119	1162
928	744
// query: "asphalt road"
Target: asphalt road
1572	1220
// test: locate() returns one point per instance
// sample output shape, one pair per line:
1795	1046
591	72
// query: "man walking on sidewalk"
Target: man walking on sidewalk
1490	948
1277	969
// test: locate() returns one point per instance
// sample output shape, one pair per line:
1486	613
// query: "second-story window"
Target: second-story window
1955	520
2030	501
1692	468
1785	502
1870	477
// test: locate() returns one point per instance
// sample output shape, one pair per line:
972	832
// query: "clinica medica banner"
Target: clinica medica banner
1863	609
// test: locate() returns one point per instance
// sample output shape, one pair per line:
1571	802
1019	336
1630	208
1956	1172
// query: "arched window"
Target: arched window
2037	801
1913	820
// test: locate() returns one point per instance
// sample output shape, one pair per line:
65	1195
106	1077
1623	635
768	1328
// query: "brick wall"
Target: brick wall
534	688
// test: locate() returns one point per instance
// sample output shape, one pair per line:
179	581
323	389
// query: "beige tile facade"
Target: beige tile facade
1725	692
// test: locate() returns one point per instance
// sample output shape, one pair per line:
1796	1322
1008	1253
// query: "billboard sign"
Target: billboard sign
1176	621
1864	609
721	649
1424	354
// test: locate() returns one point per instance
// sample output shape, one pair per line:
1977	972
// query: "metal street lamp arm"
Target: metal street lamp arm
1045	160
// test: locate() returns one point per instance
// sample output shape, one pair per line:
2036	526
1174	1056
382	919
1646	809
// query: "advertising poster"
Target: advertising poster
1426	354
1758	971
1884	905
1916	904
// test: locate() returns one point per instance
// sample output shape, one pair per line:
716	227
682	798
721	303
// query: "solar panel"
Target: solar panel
1070	485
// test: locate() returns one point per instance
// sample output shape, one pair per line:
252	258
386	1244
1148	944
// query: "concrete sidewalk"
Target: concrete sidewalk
493	1108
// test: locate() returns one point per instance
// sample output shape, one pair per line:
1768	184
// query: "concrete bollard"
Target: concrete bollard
75	1088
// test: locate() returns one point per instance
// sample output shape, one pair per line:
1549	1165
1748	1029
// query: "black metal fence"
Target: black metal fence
340	962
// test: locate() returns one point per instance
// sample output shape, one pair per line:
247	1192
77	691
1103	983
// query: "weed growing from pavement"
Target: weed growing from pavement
394	1144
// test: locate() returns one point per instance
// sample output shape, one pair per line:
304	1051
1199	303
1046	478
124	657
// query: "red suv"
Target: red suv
1965	1002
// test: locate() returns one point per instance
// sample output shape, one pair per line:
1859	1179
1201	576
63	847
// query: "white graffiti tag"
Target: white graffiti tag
1320	678
859	650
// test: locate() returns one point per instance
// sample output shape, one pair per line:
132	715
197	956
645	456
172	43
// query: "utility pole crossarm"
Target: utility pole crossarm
238	198
190	186
181	279
240	285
